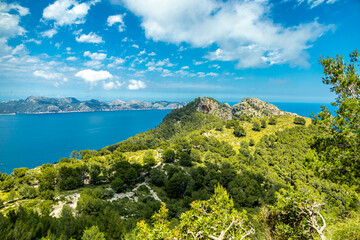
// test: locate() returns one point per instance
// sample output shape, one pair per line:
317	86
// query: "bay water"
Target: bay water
30	140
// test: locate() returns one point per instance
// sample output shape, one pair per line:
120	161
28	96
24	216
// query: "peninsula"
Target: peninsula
38	104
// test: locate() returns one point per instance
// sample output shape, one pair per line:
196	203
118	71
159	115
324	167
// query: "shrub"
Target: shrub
251	142
256	126
149	159
244	144
157	177
299	121
185	160
272	121
263	123
219	127
239	131
168	155
118	185
231	123
47	195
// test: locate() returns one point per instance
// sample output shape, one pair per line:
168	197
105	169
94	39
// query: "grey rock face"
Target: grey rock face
213	107
248	106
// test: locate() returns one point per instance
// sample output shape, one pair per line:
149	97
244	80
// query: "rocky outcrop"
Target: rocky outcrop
211	106
257	108
61	105
248	106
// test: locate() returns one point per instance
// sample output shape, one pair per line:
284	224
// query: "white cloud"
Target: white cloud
315	3
196	63
89	38
135	46
111	85
212	74
158	66
242	30
47	75
93	64
116	62
9	22
67	12
185	67
51	76
167	73
4	8
95	56
92	77
19	50
215	66
136	84
71	58
49	33
37	42
117	20
201	74
152	54
142	52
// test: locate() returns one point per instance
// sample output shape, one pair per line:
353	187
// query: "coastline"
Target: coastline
7	114
61	112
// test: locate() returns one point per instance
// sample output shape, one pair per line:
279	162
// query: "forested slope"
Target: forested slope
203	174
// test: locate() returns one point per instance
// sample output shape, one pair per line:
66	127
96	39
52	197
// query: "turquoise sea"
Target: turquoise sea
30	140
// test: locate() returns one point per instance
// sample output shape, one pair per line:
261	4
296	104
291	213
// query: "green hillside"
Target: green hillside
259	171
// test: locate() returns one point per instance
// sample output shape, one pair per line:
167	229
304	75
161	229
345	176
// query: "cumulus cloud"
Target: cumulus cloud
49	33
67	12
95	56
89	38
92	77
158	66
116	61
117	20
9	20
4	8
111	85
136	84
242	30
167	73
71	58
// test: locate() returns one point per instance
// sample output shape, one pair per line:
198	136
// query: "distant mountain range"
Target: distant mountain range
37	104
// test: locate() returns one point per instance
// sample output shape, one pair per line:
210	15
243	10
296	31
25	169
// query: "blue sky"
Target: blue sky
173	49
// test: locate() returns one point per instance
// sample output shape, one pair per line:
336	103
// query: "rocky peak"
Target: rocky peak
117	102
248	106
207	105
213	107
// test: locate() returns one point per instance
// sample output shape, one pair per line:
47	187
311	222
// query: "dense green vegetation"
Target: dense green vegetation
196	176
